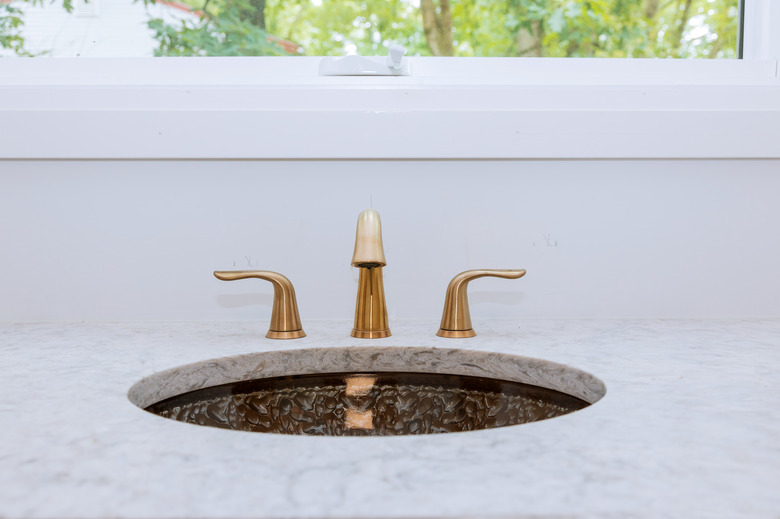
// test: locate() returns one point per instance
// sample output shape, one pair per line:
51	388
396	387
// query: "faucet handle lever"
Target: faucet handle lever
456	319
285	321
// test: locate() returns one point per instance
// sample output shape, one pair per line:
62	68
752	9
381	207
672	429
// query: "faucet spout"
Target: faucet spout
369	251
369	257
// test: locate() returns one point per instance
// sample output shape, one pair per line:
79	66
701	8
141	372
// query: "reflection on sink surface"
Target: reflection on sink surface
367	391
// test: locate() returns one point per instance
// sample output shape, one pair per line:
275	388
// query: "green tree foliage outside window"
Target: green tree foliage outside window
524	28
12	23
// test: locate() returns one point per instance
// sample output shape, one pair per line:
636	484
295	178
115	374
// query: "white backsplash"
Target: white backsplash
127	240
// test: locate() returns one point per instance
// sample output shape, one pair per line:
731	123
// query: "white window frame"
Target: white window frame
450	108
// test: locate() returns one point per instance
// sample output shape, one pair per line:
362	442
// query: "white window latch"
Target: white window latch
394	64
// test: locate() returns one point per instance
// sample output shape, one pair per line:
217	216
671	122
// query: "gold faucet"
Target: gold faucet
285	321
369	257
456	319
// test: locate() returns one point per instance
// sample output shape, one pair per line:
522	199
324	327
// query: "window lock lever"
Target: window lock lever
394	64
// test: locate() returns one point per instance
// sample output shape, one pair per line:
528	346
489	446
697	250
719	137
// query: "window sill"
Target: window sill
278	108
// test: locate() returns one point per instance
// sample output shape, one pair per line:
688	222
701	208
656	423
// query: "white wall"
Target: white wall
126	240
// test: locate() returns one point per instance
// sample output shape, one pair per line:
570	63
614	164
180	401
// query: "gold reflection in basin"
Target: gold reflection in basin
358	386
354	419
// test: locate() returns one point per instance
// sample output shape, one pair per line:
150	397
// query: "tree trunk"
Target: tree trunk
683	24
259	16
437	26
716	47
651	8
529	41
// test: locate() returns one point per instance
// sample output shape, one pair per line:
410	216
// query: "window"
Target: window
473	108
462	28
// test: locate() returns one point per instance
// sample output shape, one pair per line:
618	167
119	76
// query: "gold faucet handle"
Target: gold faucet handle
285	321
456	319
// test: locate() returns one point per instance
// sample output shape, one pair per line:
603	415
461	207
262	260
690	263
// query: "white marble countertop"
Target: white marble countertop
689	427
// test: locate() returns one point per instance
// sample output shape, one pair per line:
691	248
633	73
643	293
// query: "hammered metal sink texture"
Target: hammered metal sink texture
367	404
454	391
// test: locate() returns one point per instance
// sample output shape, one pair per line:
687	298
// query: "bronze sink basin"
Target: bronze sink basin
367	391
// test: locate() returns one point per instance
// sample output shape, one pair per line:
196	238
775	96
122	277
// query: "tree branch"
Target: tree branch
683	23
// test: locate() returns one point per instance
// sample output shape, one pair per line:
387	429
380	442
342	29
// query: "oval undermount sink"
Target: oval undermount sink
367	391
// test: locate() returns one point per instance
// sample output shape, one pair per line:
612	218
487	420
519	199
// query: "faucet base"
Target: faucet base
372	334
456	334
295	334
370	309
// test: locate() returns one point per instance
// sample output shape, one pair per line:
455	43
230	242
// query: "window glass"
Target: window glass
525	28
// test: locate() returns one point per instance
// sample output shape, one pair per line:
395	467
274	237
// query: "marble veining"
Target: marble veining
689	427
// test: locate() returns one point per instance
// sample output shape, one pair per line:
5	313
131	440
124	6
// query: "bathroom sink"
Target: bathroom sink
367	391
